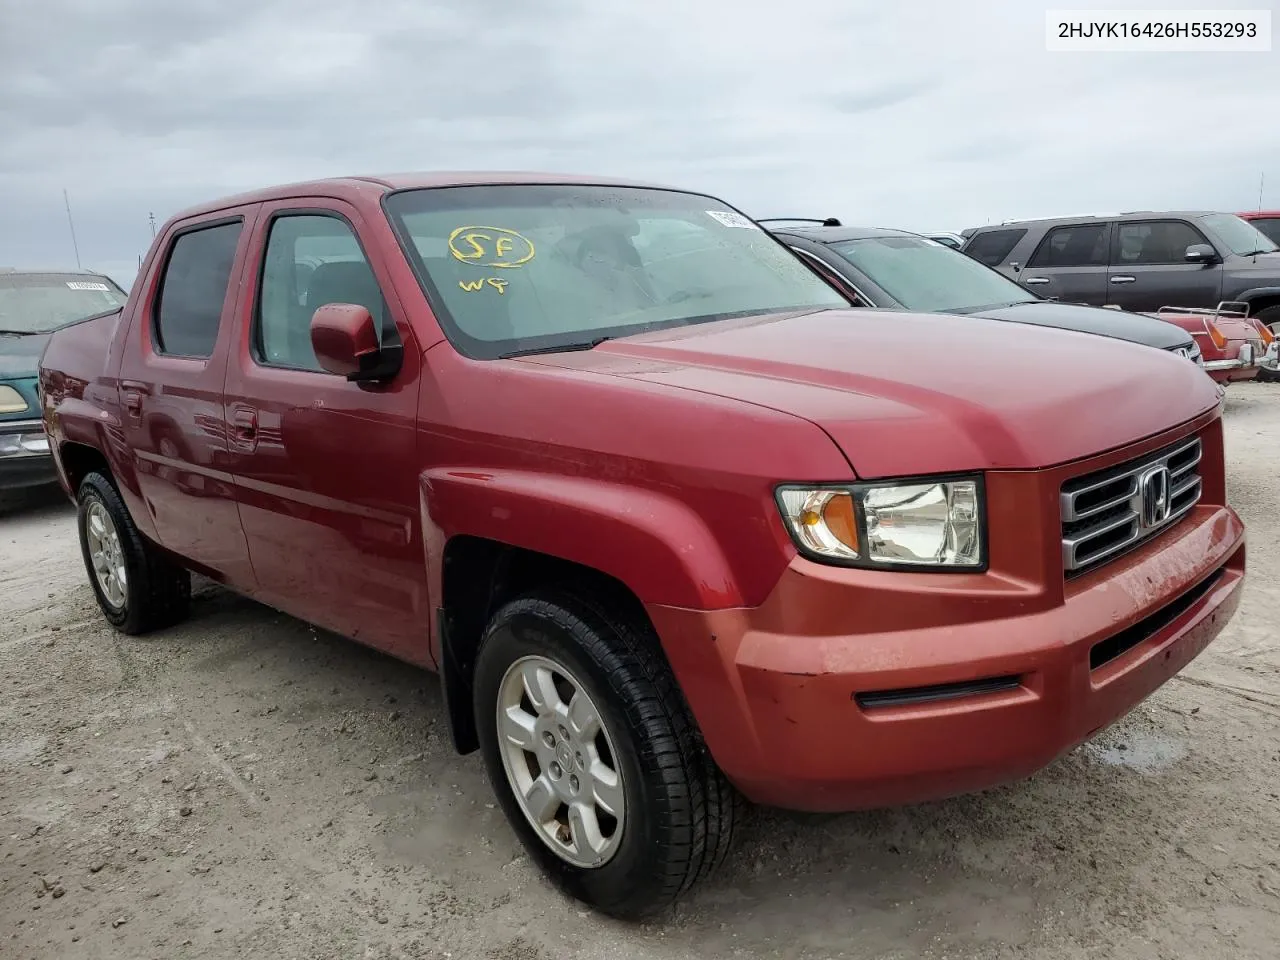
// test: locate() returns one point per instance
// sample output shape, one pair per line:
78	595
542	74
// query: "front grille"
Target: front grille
1107	513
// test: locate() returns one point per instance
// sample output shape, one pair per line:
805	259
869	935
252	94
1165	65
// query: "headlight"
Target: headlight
928	523
33	444
11	401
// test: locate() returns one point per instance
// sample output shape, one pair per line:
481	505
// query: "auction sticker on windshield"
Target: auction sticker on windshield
731	219
87	285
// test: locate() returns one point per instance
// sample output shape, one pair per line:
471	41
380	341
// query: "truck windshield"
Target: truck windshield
522	268
43	302
1241	236
923	275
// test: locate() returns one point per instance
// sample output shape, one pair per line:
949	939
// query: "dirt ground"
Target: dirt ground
245	786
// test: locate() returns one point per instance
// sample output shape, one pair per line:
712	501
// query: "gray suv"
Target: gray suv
1138	261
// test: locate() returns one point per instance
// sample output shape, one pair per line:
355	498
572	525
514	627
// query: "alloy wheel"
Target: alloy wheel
106	554
560	761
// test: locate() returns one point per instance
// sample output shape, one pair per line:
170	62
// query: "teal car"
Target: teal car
32	305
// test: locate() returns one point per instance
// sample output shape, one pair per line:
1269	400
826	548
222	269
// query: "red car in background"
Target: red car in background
1267	221
1234	345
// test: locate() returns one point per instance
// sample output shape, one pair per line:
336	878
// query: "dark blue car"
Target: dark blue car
32	305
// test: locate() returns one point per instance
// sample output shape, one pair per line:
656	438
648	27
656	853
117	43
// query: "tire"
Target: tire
677	815
138	588
1270	317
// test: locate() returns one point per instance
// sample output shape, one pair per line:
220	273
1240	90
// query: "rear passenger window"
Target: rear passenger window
1156	241
193	290
1080	245
993	246
311	260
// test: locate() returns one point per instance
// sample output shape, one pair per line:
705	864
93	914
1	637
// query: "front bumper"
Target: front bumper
1242	366
24	464
852	688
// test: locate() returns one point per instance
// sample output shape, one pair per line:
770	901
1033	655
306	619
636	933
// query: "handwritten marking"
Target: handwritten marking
490	247
471	286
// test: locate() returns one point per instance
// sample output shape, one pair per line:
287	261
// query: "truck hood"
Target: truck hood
922	393
1261	263
1134	327
20	356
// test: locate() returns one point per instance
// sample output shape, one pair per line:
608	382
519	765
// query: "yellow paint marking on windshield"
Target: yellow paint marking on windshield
490	246
471	286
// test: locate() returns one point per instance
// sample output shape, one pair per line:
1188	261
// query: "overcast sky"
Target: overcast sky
923	114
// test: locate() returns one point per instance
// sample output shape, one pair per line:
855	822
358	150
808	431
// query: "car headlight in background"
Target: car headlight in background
926	524
11	401
31	444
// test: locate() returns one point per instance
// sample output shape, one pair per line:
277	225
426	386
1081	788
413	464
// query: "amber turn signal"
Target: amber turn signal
822	521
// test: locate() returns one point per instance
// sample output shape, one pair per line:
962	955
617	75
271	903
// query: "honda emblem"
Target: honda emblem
1156	501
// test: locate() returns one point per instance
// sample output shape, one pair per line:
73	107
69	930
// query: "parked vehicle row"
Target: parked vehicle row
674	522
896	270
1155	262
1058	267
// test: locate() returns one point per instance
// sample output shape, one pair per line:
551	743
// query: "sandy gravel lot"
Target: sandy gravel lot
244	786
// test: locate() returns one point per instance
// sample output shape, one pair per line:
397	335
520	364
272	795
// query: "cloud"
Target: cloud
925	115
880	97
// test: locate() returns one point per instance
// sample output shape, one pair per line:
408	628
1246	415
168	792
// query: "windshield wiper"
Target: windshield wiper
991	306
558	348
17	333
1257	252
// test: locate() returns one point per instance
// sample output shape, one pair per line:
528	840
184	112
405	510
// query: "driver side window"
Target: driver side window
311	260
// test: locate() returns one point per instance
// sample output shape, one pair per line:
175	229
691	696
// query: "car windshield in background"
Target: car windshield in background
536	267
927	276
1240	235
1270	227
42	302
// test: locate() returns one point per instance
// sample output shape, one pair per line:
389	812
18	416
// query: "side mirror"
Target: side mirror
344	337
1201	253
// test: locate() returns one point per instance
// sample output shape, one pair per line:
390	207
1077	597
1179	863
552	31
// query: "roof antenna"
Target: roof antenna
72	224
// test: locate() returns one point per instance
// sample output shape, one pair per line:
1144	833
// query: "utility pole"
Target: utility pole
152	218
1262	179
72	224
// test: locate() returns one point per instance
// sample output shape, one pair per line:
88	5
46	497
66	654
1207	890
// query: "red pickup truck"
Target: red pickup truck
672	524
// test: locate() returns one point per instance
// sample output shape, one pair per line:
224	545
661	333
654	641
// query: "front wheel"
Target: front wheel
1270	318
138	588
593	755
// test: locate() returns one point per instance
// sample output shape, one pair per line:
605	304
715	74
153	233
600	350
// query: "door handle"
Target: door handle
1035	280
134	391
245	421
1124	279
